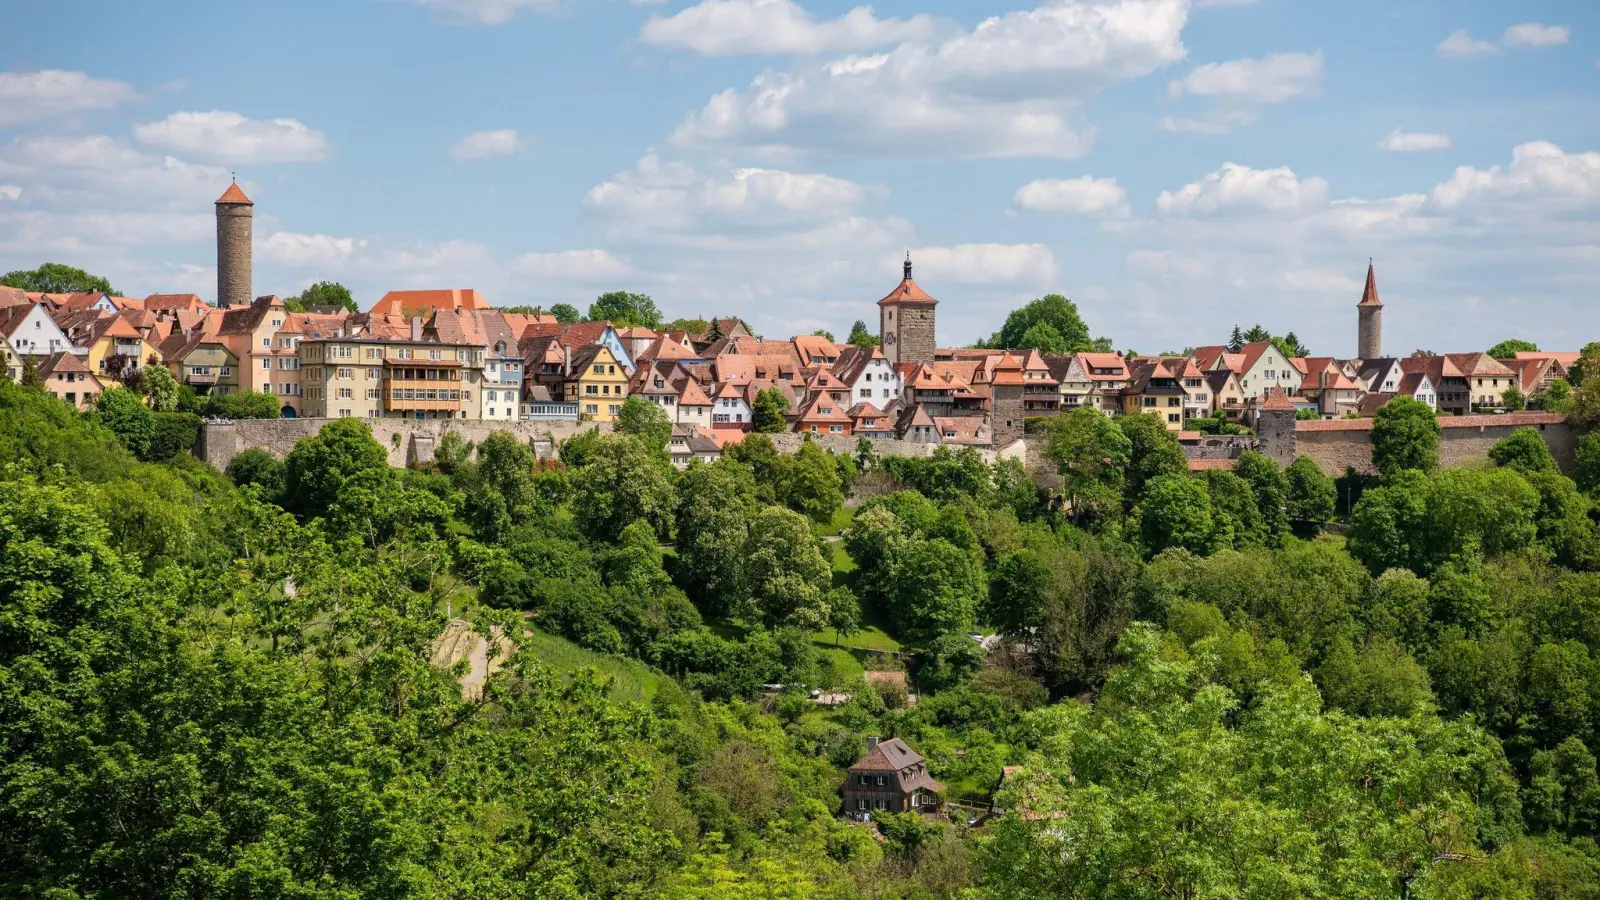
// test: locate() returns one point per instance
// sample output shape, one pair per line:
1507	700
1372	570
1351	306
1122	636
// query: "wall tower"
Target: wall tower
235	215
905	322
1369	312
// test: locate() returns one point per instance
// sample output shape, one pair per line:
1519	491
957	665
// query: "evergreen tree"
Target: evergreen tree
1236	340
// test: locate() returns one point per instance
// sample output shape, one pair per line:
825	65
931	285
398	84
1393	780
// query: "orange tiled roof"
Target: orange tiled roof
1369	295
236	196
397	302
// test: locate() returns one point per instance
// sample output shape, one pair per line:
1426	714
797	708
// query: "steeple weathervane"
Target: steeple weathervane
908	265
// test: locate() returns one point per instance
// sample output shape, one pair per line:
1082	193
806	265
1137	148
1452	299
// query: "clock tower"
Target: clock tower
905	322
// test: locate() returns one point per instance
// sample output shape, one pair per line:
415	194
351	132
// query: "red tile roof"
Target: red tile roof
235	196
397	303
1202	465
1369	296
1277	400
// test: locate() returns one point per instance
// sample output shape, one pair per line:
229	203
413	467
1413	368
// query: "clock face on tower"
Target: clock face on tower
888	338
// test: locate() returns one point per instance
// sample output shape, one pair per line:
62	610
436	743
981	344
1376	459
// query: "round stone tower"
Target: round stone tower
1369	325
235	212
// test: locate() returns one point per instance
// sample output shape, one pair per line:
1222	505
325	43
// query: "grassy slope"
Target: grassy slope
631	679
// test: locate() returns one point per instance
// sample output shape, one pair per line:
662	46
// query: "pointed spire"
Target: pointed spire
908	265
233	195
1369	297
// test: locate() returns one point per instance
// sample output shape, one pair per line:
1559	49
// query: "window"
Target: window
591	408
883	804
435	353
599	370
266	342
266	364
614	409
881	780
343	372
861	803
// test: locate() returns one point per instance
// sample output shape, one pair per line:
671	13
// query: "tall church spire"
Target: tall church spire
1369	297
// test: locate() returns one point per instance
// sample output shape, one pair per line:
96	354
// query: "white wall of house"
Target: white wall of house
1271	370
877	383
729	411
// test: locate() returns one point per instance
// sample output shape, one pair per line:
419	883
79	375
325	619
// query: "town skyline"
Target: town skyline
1473	182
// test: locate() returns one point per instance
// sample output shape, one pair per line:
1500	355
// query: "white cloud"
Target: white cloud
1272	79
487	12
32	96
294	249
665	197
987	263
229	137
98	171
1221	122
1206	3
1007	88
10	191
572	264
1460	45
1534	34
486	145
1240	187
736	27
1540	173
1085	195
1398	141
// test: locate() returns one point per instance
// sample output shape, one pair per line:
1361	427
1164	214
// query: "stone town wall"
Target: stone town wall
408	441
1463	440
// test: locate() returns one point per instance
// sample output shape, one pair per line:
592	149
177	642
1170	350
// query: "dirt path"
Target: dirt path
457	642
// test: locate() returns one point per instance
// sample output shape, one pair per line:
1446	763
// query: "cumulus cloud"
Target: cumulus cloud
99	171
487	12
1006	88
1461	45
580	265
1398	141
738	27
987	263
1272	79
1234	187
10	191
1221	122
1540	173
486	145
1534	34
670	196
294	249
229	137
47	93
1085	195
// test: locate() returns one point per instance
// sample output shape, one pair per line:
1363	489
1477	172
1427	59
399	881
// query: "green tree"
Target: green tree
1405	435
715	505
767	413
1043	337
1236	340
1175	511
823	333
566	313
318	467
861	337
688	326
811	485
1257	335
624	309
122	411
322	294
175	433
1311	493
1512	398
935	589
502	494
1525	451
1509	348
1153	452
156	383
1290	346
645	421
623	482
1270	487
786	578
1054	310
256	466
55	278
243	405
844	613
31	379
1586	463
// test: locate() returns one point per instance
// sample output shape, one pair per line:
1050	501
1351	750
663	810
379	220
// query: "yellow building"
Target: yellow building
597	382
107	337
387	378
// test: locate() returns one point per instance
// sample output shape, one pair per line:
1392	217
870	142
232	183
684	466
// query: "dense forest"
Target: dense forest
1256	683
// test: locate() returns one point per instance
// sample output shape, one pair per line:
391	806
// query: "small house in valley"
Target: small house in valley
890	778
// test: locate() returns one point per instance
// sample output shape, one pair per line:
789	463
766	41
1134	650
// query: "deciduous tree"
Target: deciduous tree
624	309
767	413
1405	435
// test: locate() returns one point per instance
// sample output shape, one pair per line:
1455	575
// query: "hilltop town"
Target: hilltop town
450	354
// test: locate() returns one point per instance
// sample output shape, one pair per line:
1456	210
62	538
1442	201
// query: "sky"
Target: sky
1176	167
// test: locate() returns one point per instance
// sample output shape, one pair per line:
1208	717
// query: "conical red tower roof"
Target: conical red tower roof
235	196
1369	297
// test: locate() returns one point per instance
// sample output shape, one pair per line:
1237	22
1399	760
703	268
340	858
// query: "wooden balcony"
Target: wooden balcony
432	396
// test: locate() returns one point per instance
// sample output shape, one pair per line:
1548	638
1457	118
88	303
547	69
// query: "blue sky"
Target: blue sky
1175	166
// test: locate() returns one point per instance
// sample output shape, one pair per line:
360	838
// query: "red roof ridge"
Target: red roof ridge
234	196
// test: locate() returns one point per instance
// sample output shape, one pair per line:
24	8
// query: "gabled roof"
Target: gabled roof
11	318
1413	382
864	410
1092	361
477	327
1437	367
967	430
1206	357
397	303
822	410
1565	359
814	349
825	380
174	301
1528	372
1277	400
246	319
690	393
891	755
1369	294
1007	370
583	357
1251	354
1218	379
663	347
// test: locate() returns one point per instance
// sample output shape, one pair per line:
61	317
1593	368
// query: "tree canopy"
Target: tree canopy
322	294
622	309
1057	314
57	278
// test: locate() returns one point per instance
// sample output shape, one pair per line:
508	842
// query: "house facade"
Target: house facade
598	382
891	777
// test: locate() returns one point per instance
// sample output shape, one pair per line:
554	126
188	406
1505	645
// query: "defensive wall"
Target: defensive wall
1334	444
1338	444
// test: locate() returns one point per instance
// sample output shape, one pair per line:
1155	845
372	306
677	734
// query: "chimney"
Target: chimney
416	328
566	355
872	744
